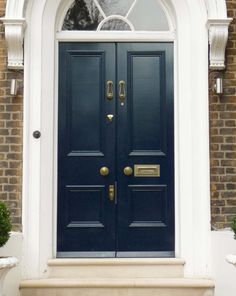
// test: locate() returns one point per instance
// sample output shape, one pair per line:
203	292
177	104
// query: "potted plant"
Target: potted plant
232	258
6	263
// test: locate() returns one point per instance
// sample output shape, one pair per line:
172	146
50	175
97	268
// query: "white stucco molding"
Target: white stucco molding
231	258
14	31
218	37
217	23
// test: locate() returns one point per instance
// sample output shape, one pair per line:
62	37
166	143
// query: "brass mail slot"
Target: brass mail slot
146	170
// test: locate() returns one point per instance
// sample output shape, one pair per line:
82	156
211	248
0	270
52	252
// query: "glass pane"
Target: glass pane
82	15
116	25
120	7
148	16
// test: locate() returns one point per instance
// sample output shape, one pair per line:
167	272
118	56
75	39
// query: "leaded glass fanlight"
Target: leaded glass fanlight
116	15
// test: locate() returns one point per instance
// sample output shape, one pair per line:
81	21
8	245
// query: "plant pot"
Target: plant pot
231	259
6	264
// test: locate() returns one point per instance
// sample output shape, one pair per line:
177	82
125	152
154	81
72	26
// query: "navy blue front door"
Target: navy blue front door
115	150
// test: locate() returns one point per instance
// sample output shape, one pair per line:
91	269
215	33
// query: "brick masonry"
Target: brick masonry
11	135
222	136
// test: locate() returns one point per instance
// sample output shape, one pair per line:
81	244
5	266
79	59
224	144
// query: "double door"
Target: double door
115	150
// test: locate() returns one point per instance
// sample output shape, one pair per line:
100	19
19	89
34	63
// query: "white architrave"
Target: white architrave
191	129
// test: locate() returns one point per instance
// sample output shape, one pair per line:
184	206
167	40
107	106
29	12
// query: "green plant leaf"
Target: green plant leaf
234	226
5	224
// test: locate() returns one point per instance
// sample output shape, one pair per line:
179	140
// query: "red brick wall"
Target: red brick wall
223	137
11	116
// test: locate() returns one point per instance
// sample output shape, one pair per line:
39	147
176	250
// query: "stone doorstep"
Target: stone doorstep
116	268
117	277
119	283
117	287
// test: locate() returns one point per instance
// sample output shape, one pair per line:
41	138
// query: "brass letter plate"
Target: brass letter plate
146	170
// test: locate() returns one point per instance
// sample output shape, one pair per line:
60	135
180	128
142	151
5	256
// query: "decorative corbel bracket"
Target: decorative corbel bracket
218	36
14	34
14	23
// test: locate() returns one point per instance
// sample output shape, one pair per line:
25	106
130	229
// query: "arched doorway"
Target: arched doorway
191	93
116	134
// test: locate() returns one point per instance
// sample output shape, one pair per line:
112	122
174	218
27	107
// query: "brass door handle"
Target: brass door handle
110	93
122	93
104	171
128	171
112	192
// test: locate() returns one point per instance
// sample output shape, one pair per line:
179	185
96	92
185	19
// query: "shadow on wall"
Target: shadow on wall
13	248
224	274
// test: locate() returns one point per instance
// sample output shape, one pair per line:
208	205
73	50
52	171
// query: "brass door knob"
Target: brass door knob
104	171
128	171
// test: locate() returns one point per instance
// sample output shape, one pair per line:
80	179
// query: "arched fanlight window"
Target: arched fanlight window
121	15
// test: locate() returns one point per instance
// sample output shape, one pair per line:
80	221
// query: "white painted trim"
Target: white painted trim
216	9
191	132
176	149
131	8
66	36
105	36
55	151
169	12
100	8
231	258
116	17
62	11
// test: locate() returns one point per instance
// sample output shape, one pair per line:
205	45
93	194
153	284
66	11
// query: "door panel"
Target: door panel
149	199
85	144
84	206
140	220
145	122
144	89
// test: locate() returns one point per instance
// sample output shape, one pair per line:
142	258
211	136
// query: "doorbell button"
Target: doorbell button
36	134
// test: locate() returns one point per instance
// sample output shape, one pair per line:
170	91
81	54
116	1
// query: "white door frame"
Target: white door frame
191	130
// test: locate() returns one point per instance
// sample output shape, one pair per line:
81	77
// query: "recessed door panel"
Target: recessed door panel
147	206
84	208
116	150
145	102
86	81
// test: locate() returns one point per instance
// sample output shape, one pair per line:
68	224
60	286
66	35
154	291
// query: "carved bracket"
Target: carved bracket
218	36
14	32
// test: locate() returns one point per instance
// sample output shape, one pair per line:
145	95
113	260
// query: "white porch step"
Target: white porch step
118	287
116	268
